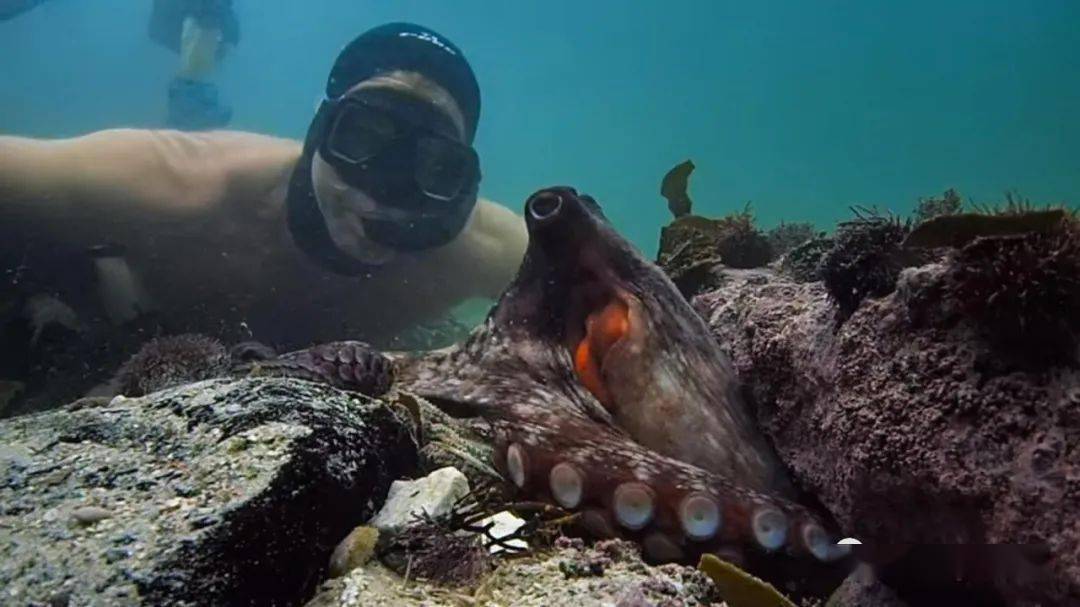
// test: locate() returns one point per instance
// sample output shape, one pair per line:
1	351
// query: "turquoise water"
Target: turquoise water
803	108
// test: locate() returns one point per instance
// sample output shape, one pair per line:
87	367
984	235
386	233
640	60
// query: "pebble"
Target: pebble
88	515
434	494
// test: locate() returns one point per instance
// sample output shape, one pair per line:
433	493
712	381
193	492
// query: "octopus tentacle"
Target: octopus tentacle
349	365
675	510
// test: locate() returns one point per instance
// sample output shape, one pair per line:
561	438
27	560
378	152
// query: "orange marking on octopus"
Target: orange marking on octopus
603	329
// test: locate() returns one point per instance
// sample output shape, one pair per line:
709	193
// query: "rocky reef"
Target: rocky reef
910	425
220	492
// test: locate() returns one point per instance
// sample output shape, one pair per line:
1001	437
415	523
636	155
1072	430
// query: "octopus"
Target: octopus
608	396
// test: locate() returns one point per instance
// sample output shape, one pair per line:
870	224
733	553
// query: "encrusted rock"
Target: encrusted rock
433	495
907	425
220	492
536	581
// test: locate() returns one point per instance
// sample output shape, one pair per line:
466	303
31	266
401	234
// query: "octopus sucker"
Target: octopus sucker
770	527
517	465
567	485
634	505
608	396
700	516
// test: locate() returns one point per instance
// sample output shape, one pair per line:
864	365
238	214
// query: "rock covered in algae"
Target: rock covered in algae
691	247
787	236
803	263
907	425
865	260
219	492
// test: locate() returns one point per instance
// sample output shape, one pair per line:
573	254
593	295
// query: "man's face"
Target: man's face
346	206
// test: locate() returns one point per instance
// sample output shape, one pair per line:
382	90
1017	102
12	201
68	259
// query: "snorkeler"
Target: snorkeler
200	32
370	226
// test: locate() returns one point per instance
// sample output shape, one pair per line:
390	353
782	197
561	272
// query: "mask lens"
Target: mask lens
359	133
443	167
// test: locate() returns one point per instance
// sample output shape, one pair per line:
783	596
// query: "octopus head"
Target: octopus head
589	320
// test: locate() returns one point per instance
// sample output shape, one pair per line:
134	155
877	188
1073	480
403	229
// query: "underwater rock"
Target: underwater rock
617	576
908	426
354	551
863	589
1023	291
9	390
220	492
865	260
434	495
164	362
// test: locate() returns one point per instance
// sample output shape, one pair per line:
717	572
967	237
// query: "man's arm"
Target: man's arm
131	172
497	239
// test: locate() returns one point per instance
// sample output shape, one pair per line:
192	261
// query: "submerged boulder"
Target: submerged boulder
220	492
911	427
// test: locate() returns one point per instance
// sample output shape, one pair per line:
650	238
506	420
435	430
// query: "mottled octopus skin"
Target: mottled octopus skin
348	365
672	447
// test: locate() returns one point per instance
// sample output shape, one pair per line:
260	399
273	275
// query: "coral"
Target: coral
865	260
164	362
1023	291
803	263
929	208
787	236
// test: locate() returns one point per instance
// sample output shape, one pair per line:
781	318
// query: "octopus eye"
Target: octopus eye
700	516
515	464
770	528
633	505
816	541
566	485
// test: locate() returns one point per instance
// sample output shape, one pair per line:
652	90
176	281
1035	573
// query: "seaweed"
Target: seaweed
803	263
692	246
1023	291
948	204
674	188
866	258
787	236
738	587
